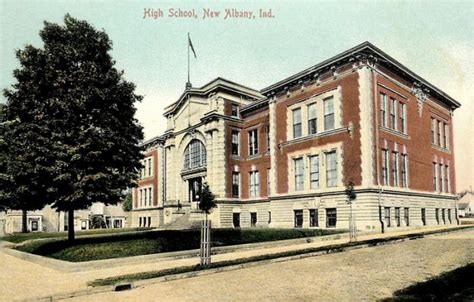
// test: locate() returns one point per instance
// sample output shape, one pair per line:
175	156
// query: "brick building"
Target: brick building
282	156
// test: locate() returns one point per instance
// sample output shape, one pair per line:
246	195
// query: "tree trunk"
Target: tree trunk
70	225
24	218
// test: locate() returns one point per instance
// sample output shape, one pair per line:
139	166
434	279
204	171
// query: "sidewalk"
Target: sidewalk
39	280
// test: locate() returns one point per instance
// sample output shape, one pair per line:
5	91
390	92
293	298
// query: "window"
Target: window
235	184
267	131
397	217
297	123
313	218
118	224
387	217
140	221
269	217
435	177
449	215
433	131
404	168
440	129
331	218
149	221
407	216
393	114
385	167
194	155
299	174
236	220
383	110
437	215
235	142
395	169
253	142
331	169
423	216
235	110
141	197
83	224
403	118
150	168
268	182
446	136
443	215
441	178
34	225
448	180
298	218
150	196
329	113
253	219
254	184
312	119
314	171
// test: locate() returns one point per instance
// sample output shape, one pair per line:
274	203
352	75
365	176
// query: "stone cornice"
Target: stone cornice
365	52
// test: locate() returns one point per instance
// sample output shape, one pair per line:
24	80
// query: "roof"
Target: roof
153	141
466	199
365	48
214	85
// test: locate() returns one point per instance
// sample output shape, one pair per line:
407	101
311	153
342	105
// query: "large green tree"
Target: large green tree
87	110
24	158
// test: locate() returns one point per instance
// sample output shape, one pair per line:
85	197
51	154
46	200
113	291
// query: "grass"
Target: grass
151	242
455	285
21	237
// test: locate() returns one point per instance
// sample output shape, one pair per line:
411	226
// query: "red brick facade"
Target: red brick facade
379	137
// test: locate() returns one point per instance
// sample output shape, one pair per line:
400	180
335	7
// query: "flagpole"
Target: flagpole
188	85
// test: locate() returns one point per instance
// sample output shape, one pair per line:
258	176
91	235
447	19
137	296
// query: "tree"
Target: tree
127	202
74	94
351	195
207	202
97	222
24	162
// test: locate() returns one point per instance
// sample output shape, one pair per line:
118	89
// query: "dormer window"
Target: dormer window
235	110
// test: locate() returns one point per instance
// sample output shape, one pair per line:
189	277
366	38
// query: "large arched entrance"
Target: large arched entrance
194	169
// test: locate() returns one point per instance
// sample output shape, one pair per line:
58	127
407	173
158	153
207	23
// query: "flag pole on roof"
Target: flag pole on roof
190	46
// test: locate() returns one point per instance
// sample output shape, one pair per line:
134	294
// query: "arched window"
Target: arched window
194	155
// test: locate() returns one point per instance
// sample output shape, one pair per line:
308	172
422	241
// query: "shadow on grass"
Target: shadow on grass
455	285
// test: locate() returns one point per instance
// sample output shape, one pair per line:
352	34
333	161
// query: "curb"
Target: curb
324	250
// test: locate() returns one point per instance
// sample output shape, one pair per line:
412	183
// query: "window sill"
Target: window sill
254	156
440	148
317	135
394	132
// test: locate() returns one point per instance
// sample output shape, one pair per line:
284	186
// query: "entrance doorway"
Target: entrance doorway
195	185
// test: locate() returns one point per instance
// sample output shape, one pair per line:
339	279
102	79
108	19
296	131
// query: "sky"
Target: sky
432	38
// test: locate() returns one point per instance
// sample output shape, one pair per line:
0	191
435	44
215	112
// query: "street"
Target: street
359	275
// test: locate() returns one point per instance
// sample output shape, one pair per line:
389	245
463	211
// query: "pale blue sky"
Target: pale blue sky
433	38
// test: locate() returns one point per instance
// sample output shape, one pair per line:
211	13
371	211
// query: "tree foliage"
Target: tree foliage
207	202
127	202
76	111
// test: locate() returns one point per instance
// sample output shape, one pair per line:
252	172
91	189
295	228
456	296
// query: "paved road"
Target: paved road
359	275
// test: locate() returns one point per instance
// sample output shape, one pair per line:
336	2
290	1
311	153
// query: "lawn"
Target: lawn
455	285
151	242
21	237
